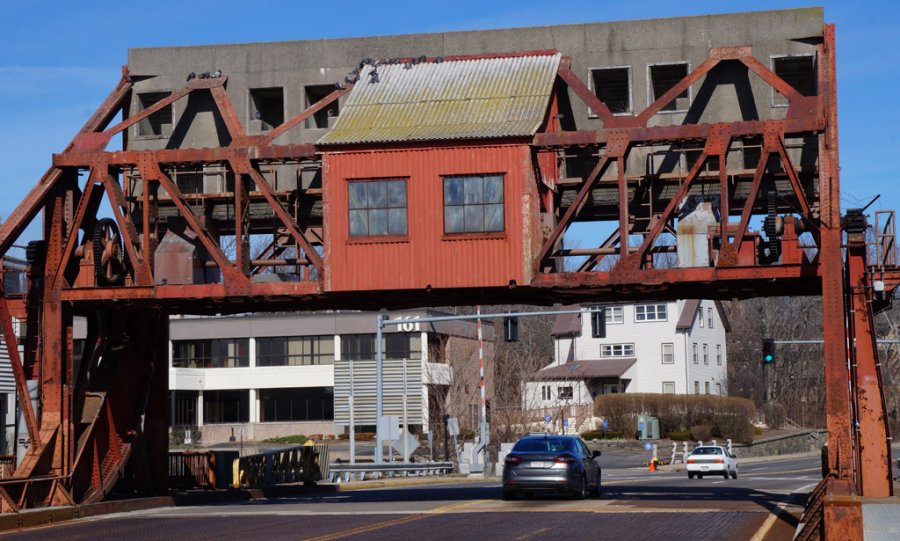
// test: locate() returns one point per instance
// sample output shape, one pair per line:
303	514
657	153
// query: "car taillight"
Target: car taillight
513	459
719	461
564	459
691	461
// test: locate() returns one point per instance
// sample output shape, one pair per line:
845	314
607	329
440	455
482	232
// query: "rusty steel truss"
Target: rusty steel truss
102	418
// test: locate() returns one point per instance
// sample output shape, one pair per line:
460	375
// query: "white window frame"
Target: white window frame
650	98
591	70
671	354
668	387
700	316
706	387
643	308
610	313
709	317
773	94
696	357
719	354
696	387
616	350
706	354
570	391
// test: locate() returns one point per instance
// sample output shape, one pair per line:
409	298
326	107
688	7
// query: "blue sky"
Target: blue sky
59	60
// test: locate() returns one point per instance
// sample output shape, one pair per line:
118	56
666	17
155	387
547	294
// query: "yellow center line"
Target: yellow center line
395	522
532	534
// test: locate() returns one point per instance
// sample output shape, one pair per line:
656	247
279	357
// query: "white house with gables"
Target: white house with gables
674	347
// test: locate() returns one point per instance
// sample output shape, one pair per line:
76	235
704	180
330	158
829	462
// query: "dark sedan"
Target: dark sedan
551	463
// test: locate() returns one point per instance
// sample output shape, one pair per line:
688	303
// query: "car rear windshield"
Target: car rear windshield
707	451
544	445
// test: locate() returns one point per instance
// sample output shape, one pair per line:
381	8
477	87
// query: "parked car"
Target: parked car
712	460
546	462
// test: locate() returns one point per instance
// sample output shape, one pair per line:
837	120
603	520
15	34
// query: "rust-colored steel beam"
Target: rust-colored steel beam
306	113
15	361
186	155
582	91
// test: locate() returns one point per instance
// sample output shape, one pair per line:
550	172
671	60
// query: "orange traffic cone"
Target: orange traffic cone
653	464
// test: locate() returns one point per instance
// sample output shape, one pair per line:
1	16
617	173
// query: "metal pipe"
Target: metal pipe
484	453
352	420
379	382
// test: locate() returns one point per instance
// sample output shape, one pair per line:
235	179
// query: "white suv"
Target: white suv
712	459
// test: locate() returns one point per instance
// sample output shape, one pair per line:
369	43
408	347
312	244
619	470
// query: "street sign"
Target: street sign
390	427
647	446
565	421
547	419
641	425
412	442
453	426
605	424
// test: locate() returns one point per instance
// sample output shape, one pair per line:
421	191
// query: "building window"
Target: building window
612	86
617	350
614	315
709	317
705	354
707	387
303	404
799	72
473	204
696	387
719	389
719	354
184	408
650	312
294	350
668	353
662	78
159	123
546	392
377	208
397	346
226	407
668	387
565	393
266	108
700	316
220	353
696	360
315	94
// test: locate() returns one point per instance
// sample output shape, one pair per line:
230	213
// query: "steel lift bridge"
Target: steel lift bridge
101	417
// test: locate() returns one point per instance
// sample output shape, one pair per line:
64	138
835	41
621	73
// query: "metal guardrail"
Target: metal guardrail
300	464
346	471
192	469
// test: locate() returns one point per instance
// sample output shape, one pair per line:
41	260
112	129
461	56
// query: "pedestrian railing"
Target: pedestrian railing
192	469
345	471
301	464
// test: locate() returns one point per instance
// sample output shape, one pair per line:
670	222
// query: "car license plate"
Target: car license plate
537	464
704	468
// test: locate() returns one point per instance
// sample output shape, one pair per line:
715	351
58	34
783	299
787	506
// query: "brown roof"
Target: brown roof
689	312
587	369
567	324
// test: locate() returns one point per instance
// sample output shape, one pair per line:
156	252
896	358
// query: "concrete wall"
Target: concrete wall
213	434
637	45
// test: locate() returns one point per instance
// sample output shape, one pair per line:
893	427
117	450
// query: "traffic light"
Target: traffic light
768	351
511	329
598	323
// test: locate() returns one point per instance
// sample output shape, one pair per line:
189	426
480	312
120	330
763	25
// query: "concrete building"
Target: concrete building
675	347
263	376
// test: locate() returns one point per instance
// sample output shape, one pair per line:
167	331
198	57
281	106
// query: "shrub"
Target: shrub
589	435
701	432
680	435
296	439
727	417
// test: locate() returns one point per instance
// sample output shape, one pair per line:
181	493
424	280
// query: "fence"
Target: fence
192	469
347	471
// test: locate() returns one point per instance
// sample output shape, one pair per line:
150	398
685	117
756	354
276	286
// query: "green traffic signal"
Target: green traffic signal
768	351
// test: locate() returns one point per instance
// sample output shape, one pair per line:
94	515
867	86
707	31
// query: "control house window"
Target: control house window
668	387
650	312
719	354
614	315
158	124
696	387
617	350
377	208
662	78
565	393
700	316
707	387
694	351
612	86
473	204
799	71
546	393
709	317
294	350
668	353
705	354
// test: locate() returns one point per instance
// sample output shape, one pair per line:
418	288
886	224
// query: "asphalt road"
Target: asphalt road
763	503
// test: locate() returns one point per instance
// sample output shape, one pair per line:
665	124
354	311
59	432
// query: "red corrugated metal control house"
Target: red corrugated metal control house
439	138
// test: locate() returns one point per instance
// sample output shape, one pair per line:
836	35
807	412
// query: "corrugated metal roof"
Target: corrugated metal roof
454	99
